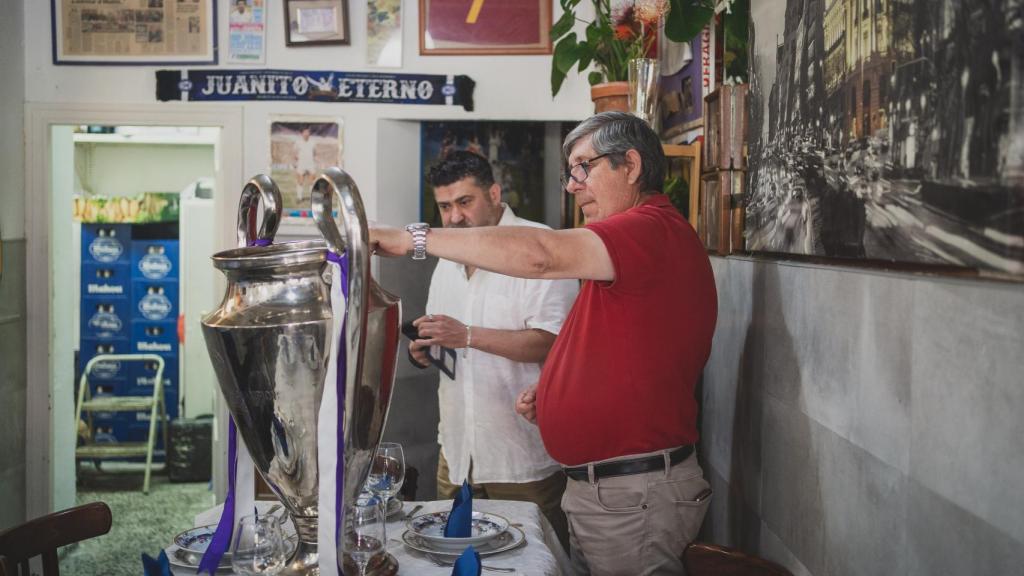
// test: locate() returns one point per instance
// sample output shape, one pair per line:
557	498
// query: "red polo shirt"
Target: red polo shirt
619	379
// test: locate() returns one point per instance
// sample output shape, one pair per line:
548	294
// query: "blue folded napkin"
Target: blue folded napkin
468	564
460	519
159	566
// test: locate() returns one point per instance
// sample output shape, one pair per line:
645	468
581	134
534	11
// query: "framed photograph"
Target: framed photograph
893	158
316	22
460	27
300	148
134	32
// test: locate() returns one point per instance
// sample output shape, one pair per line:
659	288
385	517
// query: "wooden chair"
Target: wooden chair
3	567
703	559
43	536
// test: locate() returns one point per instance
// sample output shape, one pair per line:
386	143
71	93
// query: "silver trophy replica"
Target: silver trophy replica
269	343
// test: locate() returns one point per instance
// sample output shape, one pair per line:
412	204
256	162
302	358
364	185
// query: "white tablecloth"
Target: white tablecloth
542	555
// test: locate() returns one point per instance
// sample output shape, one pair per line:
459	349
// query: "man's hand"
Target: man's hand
388	241
418	353
440	330
526	404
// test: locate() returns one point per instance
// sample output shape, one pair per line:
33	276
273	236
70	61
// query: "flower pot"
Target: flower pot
610	96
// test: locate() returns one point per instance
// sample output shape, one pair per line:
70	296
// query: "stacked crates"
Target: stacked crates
130	305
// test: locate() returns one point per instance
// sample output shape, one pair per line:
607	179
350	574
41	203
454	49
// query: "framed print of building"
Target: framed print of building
888	130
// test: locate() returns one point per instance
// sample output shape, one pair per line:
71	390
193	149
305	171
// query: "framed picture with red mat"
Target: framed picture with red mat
461	27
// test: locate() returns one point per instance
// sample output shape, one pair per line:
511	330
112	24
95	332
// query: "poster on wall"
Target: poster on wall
300	148
384	33
907	149
515	150
682	91
125	32
247	32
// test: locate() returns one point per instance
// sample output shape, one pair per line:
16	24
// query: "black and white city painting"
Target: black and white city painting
888	130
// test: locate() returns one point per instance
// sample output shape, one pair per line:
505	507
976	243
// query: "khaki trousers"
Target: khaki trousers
635	525
546	494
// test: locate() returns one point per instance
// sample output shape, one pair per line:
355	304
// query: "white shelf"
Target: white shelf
168	139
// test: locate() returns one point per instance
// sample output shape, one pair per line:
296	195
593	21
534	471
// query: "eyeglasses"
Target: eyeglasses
580	171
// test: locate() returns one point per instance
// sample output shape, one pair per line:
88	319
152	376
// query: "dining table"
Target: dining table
540	555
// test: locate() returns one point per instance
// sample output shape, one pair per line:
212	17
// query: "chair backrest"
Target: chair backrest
43	536
703	559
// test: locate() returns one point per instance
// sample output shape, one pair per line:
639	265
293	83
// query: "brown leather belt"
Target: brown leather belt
628	467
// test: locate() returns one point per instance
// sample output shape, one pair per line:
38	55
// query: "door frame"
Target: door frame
39	118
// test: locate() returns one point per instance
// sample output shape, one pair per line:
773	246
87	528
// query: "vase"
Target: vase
610	96
643	89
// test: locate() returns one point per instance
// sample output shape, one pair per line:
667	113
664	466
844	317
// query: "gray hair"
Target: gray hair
615	133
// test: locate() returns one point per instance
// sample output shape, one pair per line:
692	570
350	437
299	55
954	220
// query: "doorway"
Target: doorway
51	244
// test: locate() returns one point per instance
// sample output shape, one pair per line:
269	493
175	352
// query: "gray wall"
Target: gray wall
12	283
866	423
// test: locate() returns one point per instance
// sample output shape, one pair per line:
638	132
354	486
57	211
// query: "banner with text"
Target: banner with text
315	86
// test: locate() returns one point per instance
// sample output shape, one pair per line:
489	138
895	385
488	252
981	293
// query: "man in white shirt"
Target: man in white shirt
501	328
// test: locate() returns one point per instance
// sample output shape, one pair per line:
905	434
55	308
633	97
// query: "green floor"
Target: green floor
142	523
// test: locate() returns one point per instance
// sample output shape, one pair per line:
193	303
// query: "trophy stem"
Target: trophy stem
306	560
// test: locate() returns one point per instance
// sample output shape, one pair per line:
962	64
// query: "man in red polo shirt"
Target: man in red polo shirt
615	402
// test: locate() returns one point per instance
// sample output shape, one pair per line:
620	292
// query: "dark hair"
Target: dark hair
615	133
460	164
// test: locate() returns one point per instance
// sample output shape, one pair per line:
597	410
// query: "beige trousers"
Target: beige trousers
546	494
635	525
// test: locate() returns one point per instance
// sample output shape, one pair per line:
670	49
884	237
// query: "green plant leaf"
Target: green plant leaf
563	25
595	78
566	54
687	18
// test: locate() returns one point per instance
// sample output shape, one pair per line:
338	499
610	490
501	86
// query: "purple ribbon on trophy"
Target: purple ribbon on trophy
221	540
339	483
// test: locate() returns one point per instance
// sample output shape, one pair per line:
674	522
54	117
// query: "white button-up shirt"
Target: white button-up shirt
478	418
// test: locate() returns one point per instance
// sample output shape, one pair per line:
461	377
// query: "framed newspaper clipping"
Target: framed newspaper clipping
134	32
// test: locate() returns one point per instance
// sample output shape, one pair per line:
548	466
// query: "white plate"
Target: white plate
508	540
188	547
484	527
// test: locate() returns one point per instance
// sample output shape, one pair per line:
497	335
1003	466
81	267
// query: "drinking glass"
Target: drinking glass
643	89
259	546
364	533
387	473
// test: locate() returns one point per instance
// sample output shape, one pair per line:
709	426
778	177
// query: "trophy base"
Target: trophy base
381	565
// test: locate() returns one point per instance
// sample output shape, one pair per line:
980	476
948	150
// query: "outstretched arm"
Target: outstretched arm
524	252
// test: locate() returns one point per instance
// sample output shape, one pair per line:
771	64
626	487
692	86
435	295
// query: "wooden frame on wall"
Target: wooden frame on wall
316	23
457	27
681	158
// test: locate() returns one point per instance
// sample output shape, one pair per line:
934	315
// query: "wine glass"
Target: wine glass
259	546
364	533
387	473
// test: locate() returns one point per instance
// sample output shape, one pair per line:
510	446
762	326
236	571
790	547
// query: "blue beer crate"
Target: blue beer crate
155	300
106	243
107	372
106	280
142	375
105	318
155	260
155	337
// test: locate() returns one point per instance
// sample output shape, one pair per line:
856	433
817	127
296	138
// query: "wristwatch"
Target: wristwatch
419	239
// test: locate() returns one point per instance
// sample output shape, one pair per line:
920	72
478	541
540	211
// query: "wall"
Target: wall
866	423
12	282
500	95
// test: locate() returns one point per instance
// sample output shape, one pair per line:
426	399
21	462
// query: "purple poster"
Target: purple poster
681	92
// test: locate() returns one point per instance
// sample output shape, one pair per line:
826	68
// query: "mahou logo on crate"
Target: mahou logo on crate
105	249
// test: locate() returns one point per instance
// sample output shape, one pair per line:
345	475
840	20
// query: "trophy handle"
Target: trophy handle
260	187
